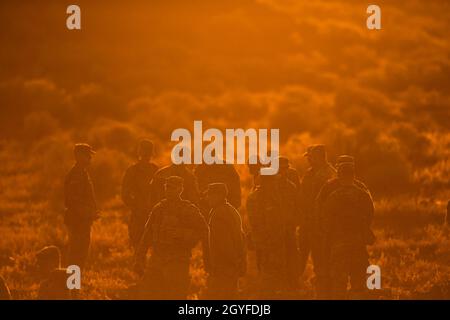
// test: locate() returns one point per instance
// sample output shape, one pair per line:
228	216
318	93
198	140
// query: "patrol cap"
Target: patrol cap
344	159
83	148
316	149
175	181
49	254
218	188
146	147
346	168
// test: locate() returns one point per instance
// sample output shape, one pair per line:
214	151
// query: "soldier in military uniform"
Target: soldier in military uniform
226	243
310	241
218	173
174	228
54	283
136	191
81	207
273	217
348	213
190	187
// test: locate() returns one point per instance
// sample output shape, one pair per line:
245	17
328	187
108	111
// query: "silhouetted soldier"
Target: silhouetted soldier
81	208
287	172
310	239
5	294
190	187
136	191
226	243
54	283
174	228
348	214
219	173
272	215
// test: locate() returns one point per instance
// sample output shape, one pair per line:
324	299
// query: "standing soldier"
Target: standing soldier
226	244
348	214
81	208
190	187
310	241
219	173
136	192
272	215
174	228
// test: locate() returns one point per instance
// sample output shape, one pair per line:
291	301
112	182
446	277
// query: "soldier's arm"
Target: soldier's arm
203	231
145	241
127	196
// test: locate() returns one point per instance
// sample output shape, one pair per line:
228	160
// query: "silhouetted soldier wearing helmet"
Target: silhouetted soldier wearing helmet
81	207
310	238
174	228
272	214
136	191
348	214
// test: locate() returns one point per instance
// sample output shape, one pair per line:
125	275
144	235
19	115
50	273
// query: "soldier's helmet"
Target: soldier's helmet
49	257
82	149
145	148
219	189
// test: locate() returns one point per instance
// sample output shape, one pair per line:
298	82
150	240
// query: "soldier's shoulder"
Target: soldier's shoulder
361	185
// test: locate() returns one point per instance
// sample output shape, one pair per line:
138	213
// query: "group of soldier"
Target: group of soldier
326	215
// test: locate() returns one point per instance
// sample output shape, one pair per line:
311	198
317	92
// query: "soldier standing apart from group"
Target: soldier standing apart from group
136	192
348	213
174	228
226	244
272	213
81	208
310	240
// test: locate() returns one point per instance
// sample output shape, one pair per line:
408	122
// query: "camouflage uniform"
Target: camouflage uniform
310	238
173	230
348	213
81	210
219	173
136	194
227	251
190	191
272	215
